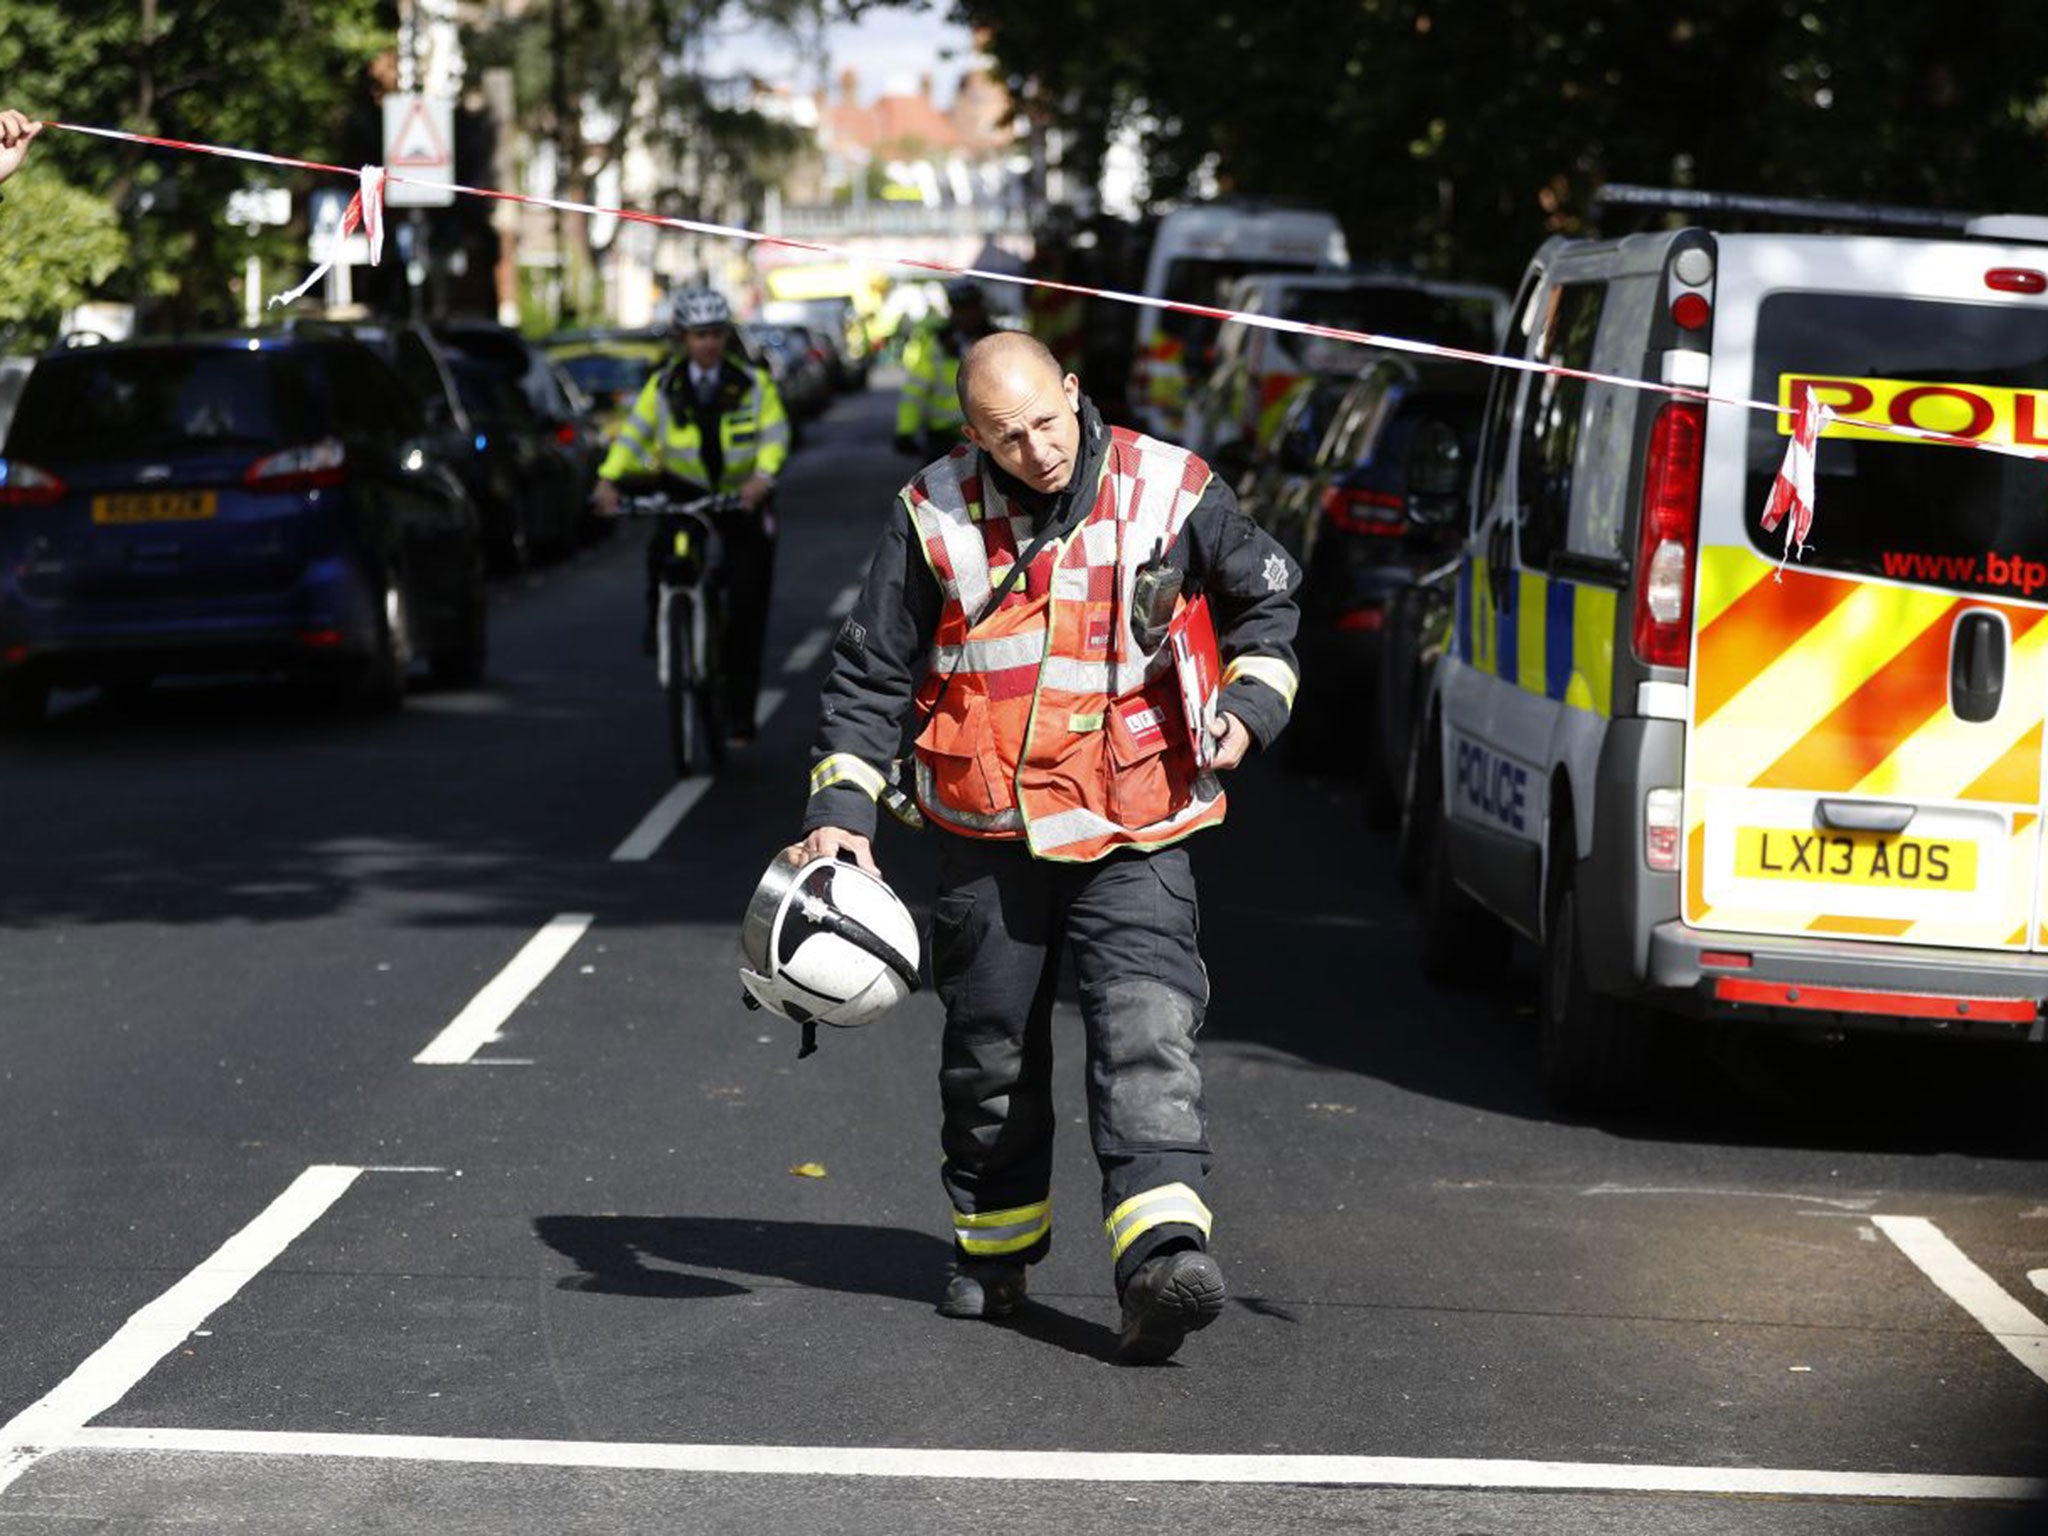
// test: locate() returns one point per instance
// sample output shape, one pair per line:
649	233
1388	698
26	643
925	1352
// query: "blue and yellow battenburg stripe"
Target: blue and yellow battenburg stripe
1554	637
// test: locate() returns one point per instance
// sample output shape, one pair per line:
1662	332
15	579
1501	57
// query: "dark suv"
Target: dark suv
247	502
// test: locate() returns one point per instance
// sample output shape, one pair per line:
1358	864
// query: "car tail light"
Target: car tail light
1663	813
316	466
1364	620
23	485
1661	633
565	434
1380	512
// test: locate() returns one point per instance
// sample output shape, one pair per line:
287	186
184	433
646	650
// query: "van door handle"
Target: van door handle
1863	816
1976	666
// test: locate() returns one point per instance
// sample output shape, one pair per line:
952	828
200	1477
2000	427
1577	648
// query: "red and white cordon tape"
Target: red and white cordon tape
1795	478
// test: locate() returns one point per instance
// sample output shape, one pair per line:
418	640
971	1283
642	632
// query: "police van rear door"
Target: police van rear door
1865	751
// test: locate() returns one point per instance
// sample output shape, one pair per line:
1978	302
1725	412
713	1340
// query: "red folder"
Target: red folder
1199	670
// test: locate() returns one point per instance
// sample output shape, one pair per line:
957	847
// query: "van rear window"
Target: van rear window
92	404
1413	314
1933	514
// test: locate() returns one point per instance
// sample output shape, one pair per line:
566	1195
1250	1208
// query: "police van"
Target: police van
1708	778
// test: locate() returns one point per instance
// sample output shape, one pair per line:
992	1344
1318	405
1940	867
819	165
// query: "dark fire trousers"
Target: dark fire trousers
998	930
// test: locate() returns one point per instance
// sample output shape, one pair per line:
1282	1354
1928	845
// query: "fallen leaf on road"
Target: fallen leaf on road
809	1170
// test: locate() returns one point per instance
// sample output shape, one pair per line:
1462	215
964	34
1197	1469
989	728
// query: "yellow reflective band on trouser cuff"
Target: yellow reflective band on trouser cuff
842	768
1271	671
1168	1205
993	1232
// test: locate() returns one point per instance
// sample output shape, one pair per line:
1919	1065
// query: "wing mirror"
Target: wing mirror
1436	469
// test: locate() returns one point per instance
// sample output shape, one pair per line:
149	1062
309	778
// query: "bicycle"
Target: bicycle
689	622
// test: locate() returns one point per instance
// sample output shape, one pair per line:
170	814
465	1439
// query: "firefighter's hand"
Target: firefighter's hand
606	499
16	130
829	842
1233	740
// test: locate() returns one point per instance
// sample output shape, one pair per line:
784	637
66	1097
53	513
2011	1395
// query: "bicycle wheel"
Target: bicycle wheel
684	727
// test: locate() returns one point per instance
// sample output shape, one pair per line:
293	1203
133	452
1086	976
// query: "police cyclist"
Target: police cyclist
712	419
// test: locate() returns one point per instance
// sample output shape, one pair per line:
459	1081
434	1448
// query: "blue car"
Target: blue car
255	502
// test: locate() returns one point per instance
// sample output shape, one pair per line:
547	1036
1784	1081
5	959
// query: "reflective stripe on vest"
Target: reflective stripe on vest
845	768
1055	723
985	1233
1168	1205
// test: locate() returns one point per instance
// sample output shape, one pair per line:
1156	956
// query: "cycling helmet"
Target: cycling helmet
698	309
826	943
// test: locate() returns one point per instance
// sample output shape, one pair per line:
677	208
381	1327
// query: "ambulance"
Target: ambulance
1709	774
1196	252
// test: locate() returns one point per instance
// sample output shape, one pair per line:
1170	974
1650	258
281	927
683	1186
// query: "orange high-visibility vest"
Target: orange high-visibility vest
1055	727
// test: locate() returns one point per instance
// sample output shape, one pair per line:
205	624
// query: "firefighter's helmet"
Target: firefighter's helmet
826	943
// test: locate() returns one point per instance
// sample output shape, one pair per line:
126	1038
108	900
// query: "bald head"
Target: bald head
1020	409
998	352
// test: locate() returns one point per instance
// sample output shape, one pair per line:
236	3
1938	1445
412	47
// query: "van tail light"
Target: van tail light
1663	814
1378	512
24	485
1661	632
317	466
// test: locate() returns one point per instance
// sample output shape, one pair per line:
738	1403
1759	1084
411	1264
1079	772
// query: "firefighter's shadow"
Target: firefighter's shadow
690	1258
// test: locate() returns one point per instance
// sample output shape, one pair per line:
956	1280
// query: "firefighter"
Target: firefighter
1053	758
714	420
928	410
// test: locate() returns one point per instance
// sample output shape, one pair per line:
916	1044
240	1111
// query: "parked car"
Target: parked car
1415	635
14	372
1399	444
797	362
1234	411
483	427
245	502
1292	457
564	411
610	369
837	326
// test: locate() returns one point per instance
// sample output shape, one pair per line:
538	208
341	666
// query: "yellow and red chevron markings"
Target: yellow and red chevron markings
1831	685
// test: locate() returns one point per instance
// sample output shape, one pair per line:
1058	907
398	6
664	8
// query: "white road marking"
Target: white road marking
478	1024
807	650
1083	1466
2024	1336
643	841
2040	1279
842	605
105	1377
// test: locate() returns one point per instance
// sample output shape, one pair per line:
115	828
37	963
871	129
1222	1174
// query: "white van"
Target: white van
1195	253
1708	786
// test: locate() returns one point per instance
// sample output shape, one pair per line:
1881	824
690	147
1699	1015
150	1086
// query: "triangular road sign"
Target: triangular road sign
417	145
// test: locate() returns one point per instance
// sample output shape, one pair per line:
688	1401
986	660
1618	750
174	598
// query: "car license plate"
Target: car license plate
155	507
1843	858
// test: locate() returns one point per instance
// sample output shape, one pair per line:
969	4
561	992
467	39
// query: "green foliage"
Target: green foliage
1456	133
56	245
271	75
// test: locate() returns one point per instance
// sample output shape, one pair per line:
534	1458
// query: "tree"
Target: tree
1454	134
269	75
597	78
57	244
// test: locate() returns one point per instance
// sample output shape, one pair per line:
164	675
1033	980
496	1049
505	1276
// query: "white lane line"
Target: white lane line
643	841
842	605
1084	1466
807	650
2024	1336
2040	1279
479	1023
106	1376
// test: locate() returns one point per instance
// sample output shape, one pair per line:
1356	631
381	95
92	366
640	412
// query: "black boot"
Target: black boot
1172	1295
984	1288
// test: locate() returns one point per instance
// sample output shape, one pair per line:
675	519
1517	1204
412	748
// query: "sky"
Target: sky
889	48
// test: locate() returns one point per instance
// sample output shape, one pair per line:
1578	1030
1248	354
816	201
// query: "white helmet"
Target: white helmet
826	943
698	309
